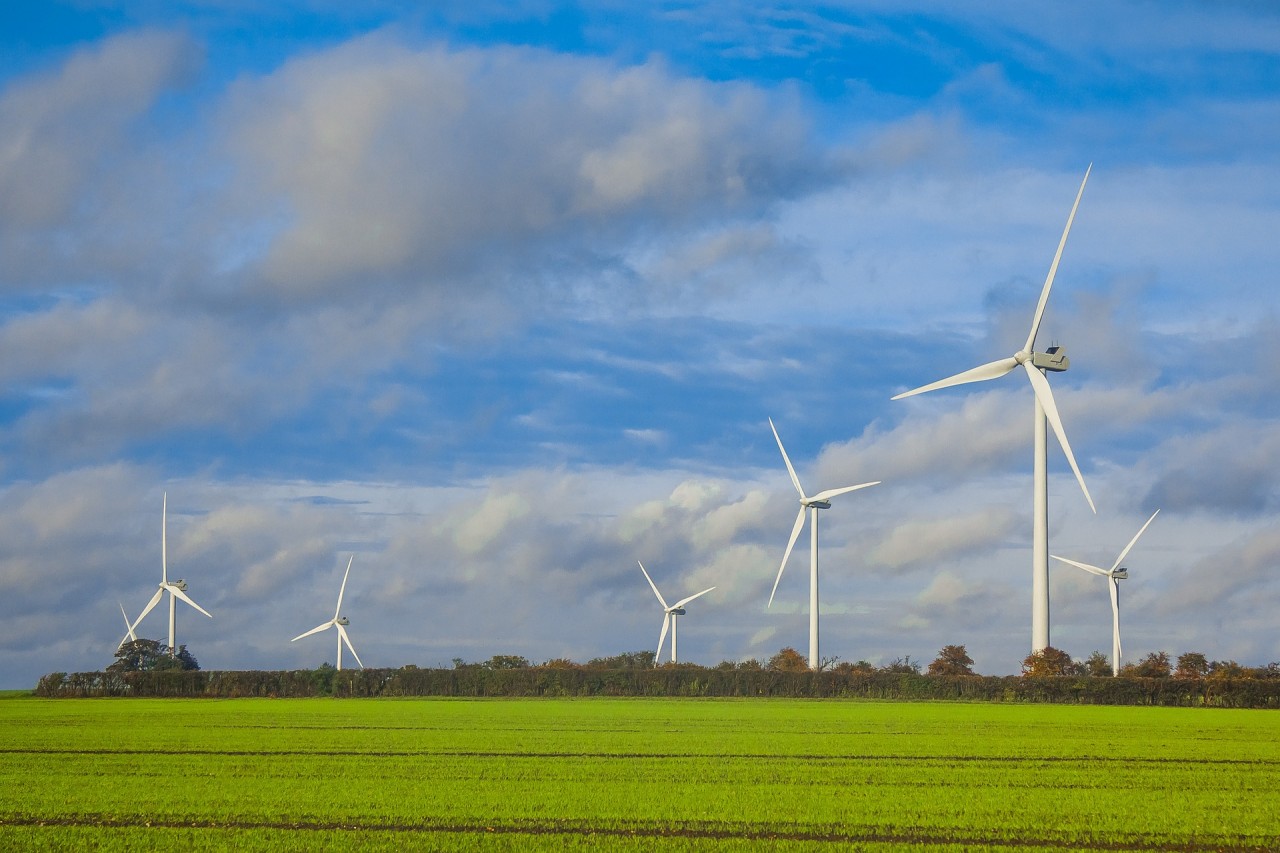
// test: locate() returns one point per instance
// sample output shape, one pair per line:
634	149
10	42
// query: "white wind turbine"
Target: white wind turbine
338	621
176	589
1115	574
1035	364
672	611
822	500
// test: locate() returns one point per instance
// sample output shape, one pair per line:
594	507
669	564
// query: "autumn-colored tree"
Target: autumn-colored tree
788	660
1191	665
1049	661
1097	665
1154	665
952	660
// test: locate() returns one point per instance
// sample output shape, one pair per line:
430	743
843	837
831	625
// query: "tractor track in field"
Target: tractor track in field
641	756
713	831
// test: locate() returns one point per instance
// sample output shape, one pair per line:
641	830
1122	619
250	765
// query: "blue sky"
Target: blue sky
499	297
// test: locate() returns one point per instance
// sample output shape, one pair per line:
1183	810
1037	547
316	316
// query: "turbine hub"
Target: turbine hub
1021	356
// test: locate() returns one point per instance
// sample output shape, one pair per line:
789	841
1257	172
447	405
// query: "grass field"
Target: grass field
633	774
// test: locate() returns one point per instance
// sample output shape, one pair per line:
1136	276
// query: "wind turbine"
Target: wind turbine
822	500
129	636
669	620
176	589
1035	364
339	622
1115	574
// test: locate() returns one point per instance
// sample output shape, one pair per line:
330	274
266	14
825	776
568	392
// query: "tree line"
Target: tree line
1050	676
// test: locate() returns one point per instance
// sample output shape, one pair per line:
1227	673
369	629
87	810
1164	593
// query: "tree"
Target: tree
1049	661
952	660
788	660
506	662
1154	665
902	665
1097	665
626	660
151	655
1191	665
860	666
1225	669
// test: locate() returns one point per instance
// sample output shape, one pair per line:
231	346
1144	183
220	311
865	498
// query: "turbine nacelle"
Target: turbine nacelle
676	611
1120	574
1054	359
343	621
815	503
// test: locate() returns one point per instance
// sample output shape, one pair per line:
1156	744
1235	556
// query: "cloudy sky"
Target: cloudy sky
498	298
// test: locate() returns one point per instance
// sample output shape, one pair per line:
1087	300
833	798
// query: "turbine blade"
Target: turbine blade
831	493
1133	541
1045	395
1053	268
164	537
342	632
787	459
155	599
791	543
682	602
662	638
127	624
316	630
653	586
343	589
981	373
1093	570
1115	615
182	595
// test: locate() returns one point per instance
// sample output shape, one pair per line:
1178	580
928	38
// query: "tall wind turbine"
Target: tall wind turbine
338	621
1115	574
176	589
1035	364
672	611
822	500
129	636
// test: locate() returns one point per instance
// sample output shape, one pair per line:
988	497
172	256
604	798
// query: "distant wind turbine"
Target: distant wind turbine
1035	364
129	636
338	621
1115	574
822	500
176	589
671	613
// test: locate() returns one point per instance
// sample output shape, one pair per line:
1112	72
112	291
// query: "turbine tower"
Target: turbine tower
176	589
1115	574
669	620
822	500
1035	364
338	621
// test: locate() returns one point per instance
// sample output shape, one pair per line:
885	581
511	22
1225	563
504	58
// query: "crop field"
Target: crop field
633	774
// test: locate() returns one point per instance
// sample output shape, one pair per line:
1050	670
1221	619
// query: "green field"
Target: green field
633	774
